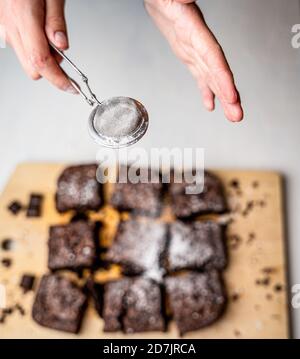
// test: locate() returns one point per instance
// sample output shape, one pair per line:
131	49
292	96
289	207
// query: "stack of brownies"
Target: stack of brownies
170	269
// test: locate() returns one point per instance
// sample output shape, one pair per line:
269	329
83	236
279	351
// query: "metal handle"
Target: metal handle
91	99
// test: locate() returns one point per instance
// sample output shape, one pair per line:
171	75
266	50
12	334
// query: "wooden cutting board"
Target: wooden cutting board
255	277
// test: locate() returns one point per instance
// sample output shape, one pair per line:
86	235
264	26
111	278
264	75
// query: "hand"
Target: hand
183	25
29	24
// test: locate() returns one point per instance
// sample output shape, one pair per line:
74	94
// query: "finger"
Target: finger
37	49
208	96
233	112
221	74
16	43
55	24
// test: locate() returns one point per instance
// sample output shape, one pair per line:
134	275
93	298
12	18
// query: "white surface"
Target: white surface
123	54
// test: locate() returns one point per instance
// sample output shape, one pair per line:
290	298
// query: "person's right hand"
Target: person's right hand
28	26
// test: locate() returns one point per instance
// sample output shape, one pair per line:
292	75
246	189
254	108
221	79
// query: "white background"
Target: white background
123	54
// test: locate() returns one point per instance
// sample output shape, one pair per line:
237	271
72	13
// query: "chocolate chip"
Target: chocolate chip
27	282
15	207
255	184
6	262
7	244
269	270
264	281
269	296
237	333
20	309
234	241
235	297
278	287
251	237
234	183
249	207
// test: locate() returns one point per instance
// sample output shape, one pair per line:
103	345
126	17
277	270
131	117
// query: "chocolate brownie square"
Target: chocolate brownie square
187	204
143	307
196	299
113	304
59	304
72	246
78	189
138	245
133	305
139	198
196	245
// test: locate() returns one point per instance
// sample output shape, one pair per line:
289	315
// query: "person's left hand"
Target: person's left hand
183	25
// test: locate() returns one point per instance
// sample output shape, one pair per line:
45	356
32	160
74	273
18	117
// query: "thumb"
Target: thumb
55	24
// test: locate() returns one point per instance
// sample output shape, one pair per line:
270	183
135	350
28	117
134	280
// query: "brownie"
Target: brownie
210	200
196	245
143	303
196	299
72	246
78	189
59	304
133	305
138	245
113	304
139	198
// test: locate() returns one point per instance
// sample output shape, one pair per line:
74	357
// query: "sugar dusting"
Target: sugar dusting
117	118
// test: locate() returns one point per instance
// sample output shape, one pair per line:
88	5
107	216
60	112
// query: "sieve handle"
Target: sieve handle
91	98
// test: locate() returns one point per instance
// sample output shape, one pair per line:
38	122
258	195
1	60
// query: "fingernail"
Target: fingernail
72	90
60	39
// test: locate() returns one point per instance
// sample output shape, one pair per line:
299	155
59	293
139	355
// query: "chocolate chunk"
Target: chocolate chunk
6	262
140	198
134	305
196	245
78	189
186	204
27	282
7	244
34	208
59	304
15	207
196	299
72	246
138	245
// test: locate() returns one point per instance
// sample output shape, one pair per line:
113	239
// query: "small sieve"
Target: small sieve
116	122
